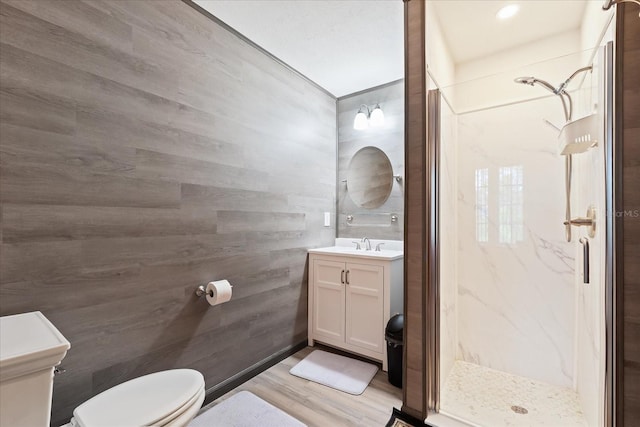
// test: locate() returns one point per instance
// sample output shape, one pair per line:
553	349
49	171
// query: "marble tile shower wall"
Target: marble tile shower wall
516	299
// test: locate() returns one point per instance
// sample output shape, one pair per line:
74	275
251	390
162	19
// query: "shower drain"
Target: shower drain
519	409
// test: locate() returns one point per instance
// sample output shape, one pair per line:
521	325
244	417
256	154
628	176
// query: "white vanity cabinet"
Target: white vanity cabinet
352	295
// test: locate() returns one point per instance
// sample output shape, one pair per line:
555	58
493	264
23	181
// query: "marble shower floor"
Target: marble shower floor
484	397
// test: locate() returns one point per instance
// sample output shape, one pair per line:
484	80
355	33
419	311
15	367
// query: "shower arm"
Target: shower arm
562	88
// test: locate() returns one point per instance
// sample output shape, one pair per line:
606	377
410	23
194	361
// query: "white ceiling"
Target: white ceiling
350	45
472	30
343	46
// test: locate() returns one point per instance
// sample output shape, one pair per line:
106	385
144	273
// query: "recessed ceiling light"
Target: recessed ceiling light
507	11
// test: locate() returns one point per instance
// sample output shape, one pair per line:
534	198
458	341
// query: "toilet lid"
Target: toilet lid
142	401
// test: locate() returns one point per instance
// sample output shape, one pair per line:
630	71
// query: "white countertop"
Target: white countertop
383	254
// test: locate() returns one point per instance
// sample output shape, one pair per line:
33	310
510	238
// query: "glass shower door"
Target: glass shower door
518	328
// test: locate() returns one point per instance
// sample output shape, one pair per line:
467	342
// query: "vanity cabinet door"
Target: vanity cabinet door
365	309
329	299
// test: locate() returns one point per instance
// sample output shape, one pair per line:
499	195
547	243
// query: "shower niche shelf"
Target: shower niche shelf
577	136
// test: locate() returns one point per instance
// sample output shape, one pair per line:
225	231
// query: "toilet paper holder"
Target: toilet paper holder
201	291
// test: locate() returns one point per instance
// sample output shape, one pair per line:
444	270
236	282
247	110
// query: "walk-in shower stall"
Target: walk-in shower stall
522	207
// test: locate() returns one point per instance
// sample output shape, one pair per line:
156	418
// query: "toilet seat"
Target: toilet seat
156	399
186	414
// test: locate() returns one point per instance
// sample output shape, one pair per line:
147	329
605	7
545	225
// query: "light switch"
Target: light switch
327	219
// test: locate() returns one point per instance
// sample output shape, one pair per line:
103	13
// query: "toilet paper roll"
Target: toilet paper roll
218	292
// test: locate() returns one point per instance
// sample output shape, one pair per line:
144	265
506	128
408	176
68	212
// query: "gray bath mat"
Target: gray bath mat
335	371
245	409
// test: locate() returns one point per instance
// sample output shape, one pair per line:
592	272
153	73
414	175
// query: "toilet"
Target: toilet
167	398
31	347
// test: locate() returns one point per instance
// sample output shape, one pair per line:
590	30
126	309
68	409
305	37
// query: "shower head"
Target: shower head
525	80
530	80
561	91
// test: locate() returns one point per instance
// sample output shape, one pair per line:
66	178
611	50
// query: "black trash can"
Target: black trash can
394	336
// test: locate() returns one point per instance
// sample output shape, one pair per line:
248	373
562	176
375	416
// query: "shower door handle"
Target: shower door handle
585	259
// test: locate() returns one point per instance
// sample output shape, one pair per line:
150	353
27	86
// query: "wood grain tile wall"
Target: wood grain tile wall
146	150
628	93
374	223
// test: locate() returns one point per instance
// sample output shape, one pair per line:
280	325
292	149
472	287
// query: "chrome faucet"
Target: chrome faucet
367	243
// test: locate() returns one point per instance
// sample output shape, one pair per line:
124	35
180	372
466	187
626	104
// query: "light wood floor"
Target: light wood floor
318	405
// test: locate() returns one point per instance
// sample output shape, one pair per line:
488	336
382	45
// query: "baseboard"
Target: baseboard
245	375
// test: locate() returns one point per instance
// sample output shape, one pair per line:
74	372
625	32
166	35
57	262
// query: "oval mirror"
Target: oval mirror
369	178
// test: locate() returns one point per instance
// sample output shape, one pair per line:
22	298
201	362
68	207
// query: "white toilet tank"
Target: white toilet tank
30	348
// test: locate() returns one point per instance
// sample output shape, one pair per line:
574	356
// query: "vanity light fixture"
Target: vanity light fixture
366	117
377	116
361	121
508	11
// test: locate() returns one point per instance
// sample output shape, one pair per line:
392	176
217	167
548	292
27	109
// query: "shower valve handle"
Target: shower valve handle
584	222
589	221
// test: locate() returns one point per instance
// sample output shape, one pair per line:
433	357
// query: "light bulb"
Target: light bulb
377	117
360	122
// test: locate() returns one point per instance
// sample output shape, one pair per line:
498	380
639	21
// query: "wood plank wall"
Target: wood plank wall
146	150
373	223
628	93
415	396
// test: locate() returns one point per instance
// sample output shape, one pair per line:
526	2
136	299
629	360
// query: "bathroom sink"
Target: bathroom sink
360	253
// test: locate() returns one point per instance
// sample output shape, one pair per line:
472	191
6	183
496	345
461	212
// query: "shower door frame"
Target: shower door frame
433	256
612	228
